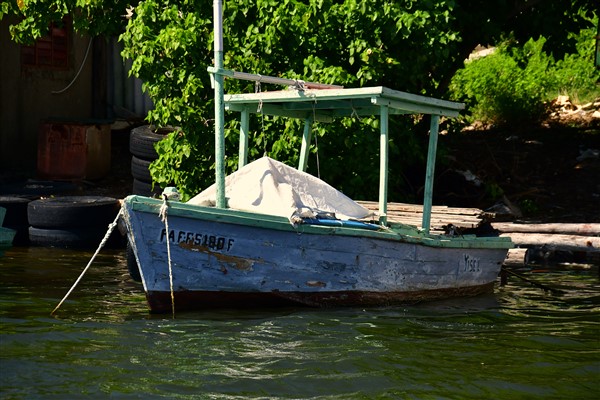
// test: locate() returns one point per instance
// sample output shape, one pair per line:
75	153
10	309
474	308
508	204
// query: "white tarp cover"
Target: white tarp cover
268	186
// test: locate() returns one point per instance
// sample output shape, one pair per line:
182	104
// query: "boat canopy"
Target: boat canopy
319	102
325	105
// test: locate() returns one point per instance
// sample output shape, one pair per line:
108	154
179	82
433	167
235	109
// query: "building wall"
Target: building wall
27	99
124	96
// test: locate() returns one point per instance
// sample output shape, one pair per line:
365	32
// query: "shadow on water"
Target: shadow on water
519	342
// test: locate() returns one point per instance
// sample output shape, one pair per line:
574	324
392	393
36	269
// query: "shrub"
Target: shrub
575	74
514	84
506	87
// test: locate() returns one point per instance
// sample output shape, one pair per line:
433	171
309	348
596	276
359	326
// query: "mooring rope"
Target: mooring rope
316	139
535	283
111	227
163	215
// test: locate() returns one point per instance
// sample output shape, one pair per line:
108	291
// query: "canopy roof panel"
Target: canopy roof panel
327	104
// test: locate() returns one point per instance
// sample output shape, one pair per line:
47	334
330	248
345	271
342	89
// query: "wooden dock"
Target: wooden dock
412	214
552	242
541	239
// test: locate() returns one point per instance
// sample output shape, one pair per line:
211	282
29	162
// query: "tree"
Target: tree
410	45
104	17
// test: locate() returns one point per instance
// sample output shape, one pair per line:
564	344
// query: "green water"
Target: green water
519	343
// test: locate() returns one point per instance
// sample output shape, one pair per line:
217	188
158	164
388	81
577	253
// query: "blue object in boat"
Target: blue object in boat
340	223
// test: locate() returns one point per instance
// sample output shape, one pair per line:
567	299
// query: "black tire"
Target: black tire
139	169
145	189
80	238
34	189
132	266
142	140
73	212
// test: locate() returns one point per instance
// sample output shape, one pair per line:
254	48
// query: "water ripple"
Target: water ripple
519	342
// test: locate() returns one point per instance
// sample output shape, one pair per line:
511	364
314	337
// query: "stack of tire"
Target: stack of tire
72	221
141	146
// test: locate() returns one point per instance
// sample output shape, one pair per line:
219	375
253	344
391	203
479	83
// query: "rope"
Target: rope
546	288
111	227
78	72
163	215
354	113
257	85
299	85
257	89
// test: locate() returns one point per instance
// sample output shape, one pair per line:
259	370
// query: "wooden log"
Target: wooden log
556	241
587	229
515	258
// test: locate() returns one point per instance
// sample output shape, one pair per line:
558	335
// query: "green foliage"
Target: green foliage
349	43
575	74
163	40
506	87
515	83
493	191
410	45
529	207
95	17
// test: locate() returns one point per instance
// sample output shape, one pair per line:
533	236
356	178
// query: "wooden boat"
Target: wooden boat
216	254
6	234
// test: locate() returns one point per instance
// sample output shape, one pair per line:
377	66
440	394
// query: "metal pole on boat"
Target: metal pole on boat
219	105
431	154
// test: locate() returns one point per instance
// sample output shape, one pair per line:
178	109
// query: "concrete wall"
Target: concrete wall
26	99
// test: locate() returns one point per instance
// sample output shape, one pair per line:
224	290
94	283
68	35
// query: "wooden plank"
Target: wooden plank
417	208
591	229
435	219
556	241
515	257
411	214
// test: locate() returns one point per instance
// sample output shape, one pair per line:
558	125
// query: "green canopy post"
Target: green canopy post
431	154
383	163
244	131
306	139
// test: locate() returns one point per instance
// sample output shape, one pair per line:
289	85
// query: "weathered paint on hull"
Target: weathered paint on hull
160	302
221	261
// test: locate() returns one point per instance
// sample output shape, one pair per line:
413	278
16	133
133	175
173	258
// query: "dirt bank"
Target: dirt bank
550	174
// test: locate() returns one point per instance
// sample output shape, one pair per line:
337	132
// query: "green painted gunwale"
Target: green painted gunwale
395	232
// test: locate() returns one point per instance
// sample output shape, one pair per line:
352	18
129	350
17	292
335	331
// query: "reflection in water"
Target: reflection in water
517	343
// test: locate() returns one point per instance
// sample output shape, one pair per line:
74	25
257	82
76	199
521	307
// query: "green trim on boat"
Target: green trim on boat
397	232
